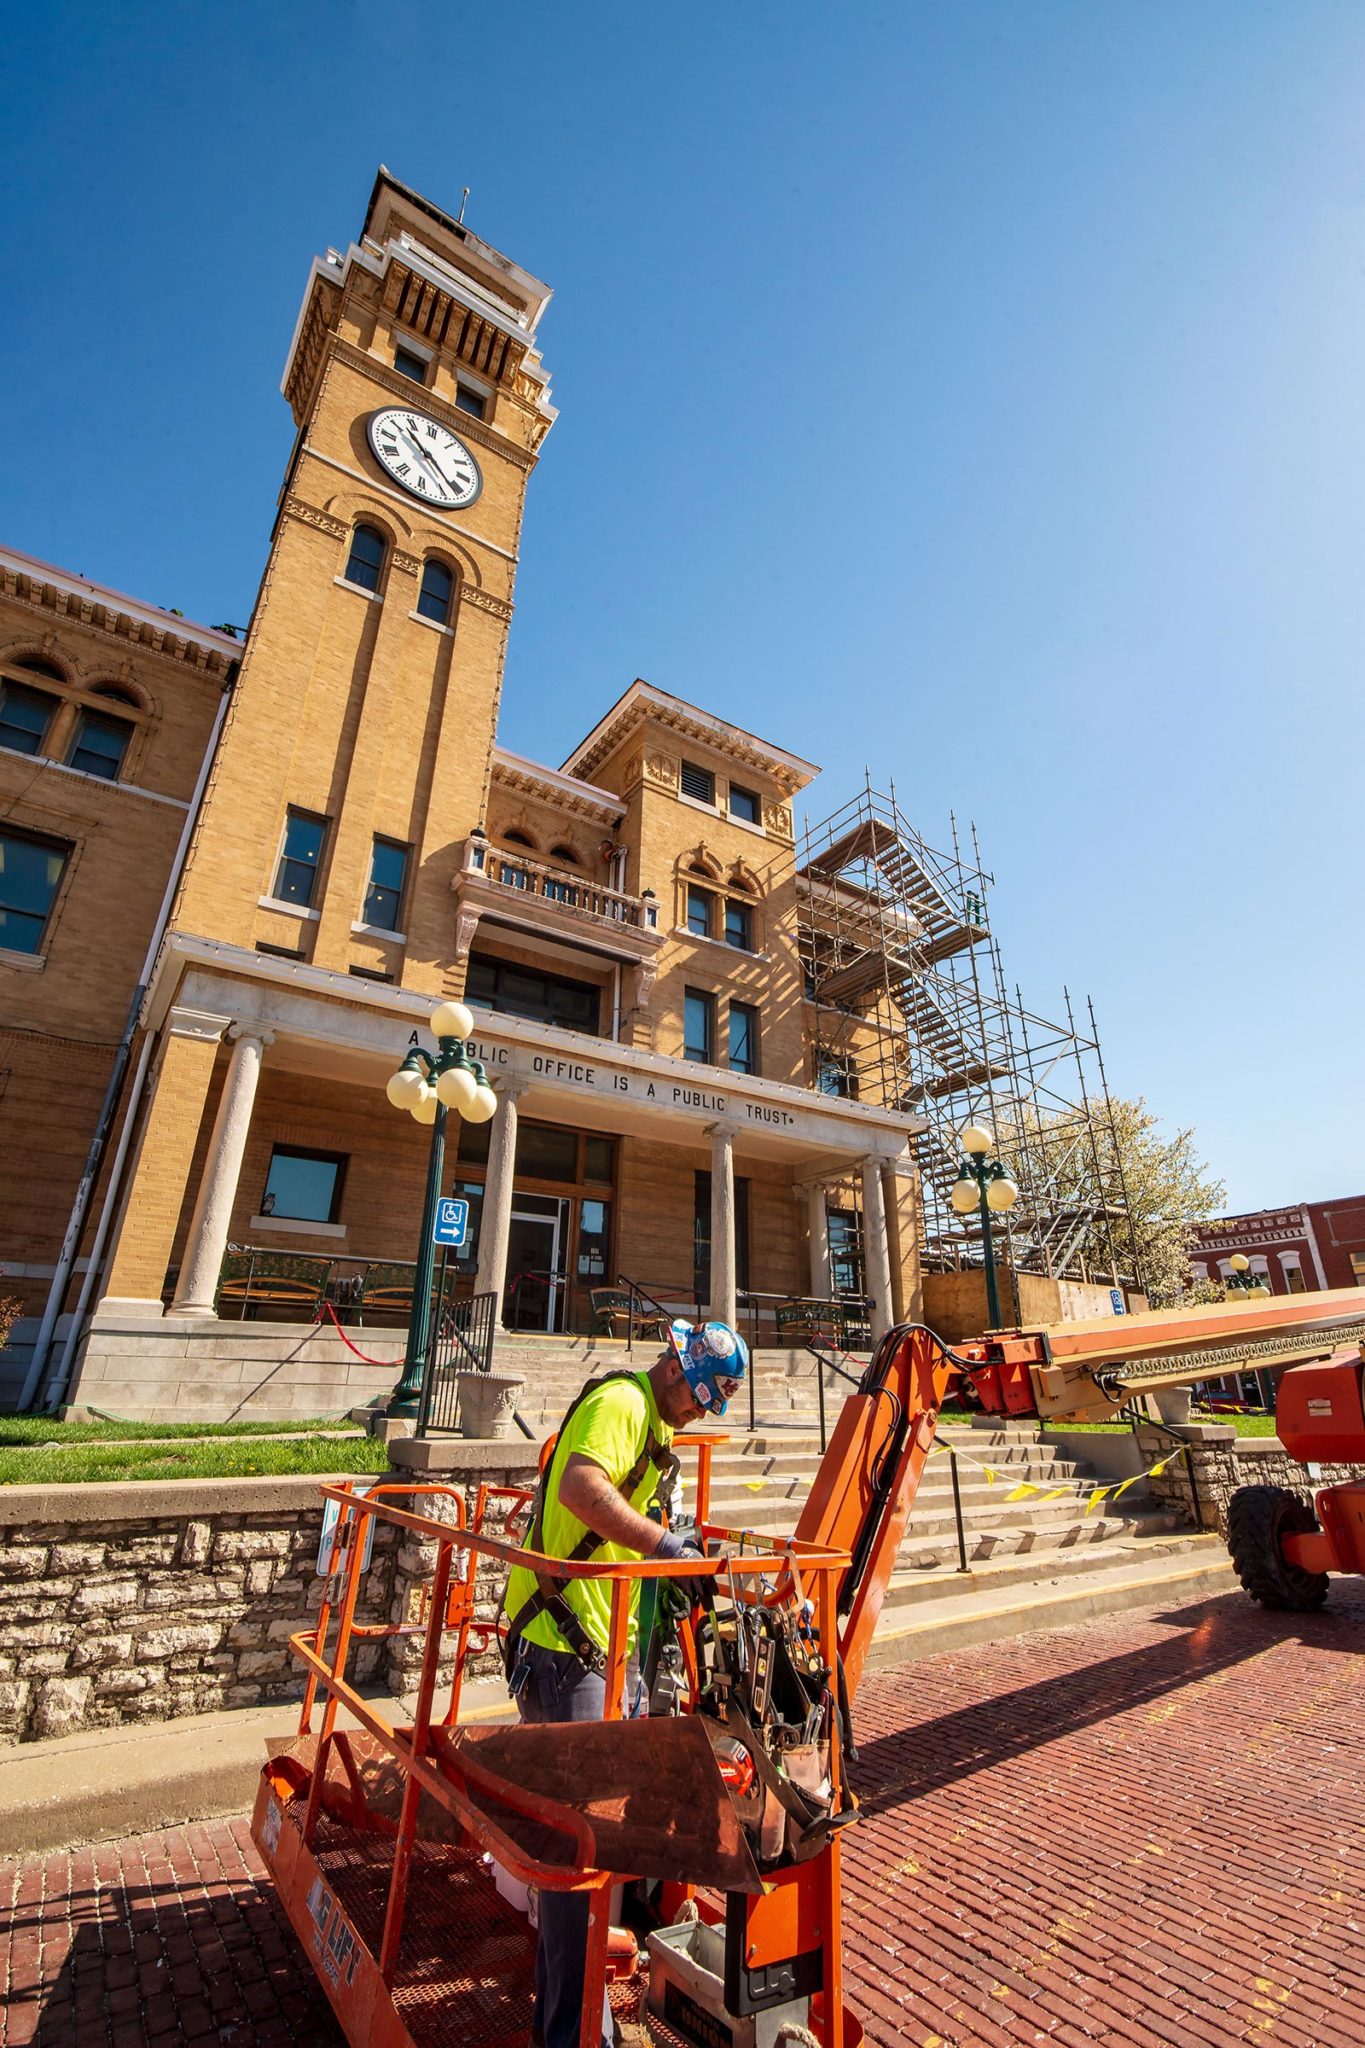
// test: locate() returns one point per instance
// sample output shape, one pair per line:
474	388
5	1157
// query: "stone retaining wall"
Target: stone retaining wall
145	1602
1223	1461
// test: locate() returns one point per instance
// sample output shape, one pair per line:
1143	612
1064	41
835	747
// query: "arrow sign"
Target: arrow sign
452	1221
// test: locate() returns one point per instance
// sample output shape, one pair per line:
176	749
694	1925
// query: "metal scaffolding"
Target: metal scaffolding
913	1012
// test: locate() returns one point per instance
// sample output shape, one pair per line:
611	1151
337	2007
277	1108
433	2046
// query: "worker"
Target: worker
602	1498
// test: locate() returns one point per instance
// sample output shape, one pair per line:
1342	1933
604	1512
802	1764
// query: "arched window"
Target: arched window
366	563
565	855
516	838
437	593
117	695
36	666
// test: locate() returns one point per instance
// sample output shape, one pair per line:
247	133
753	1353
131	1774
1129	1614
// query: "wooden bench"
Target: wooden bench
272	1280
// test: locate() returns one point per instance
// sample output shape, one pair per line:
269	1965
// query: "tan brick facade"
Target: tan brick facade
556	899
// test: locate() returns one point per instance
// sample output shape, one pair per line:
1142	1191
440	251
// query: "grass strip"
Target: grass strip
16	1430
112	1463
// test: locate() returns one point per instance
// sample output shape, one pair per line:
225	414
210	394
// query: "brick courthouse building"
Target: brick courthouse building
300	843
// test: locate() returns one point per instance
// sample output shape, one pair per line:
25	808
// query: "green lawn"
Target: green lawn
43	1429
208	1458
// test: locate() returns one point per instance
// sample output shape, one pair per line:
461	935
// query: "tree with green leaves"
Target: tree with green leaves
1155	1188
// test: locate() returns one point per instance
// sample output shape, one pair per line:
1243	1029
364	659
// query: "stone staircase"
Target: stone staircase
1030	1563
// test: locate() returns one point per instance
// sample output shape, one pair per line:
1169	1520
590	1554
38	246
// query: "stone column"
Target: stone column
817	1211
722	1304
495	1221
150	1205
876	1250
222	1169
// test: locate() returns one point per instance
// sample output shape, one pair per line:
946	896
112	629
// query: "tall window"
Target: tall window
698	782
437	593
846	1252
303	1185
739	926
384	896
31	870
366	563
743	1038
521	992
699	1026
296	877
835	1074
24	714
99	745
744	804
698	912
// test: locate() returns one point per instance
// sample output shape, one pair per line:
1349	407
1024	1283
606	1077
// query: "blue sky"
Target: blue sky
972	391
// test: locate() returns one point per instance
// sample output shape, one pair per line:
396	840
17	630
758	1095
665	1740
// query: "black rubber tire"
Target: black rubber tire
1258	1516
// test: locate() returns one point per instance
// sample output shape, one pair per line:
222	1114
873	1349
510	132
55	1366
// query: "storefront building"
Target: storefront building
356	846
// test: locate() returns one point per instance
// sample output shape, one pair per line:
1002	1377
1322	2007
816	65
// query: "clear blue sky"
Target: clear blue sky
975	391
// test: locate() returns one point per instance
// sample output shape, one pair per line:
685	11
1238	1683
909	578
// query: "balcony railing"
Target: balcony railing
510	869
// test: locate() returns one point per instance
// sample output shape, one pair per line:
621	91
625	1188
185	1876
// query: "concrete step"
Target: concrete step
911	1586
993	1607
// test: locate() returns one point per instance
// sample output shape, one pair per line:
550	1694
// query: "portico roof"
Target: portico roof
362	1030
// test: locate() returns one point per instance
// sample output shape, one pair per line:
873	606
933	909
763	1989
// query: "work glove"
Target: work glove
692	1591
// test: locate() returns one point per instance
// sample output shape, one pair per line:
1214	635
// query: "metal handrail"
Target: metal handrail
1130	1414
338	1283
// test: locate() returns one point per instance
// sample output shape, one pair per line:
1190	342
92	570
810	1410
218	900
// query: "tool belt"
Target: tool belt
549	1596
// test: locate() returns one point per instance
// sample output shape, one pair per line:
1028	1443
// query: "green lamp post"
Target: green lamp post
427	1086
983	1184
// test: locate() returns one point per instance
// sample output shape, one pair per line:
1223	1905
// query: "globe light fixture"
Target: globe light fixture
428	1086
983	1187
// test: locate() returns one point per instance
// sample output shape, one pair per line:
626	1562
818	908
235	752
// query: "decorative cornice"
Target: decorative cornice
529	778
643	704
462	423
63	599
313	515
485	601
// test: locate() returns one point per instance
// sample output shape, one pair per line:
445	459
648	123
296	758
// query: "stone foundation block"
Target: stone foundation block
61	1705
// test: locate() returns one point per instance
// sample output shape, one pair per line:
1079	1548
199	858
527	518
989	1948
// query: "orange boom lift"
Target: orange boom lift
728	1803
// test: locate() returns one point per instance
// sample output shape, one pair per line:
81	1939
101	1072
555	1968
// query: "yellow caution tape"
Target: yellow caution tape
754	1485
1028	1487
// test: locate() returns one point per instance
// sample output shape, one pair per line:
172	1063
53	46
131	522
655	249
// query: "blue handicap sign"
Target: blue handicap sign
1117	1301
452	1220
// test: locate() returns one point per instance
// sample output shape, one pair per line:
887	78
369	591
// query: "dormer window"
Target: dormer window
698	783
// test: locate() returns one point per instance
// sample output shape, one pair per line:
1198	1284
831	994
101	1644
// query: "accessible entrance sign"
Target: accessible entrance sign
452	1221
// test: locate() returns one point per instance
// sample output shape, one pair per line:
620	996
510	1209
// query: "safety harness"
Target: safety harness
549	1597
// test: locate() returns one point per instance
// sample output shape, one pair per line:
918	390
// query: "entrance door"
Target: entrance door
533	1293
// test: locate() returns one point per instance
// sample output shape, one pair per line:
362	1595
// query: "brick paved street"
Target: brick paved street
1147	1832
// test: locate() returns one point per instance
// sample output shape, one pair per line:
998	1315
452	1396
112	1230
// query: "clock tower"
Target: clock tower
358	749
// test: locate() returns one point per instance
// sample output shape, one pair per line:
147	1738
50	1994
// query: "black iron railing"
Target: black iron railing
462	1341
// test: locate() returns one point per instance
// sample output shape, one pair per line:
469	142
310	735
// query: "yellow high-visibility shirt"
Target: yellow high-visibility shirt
611	1426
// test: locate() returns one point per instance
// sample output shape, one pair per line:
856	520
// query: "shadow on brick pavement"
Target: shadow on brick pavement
1147	1831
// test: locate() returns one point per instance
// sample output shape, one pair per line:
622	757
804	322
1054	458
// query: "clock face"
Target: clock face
424	458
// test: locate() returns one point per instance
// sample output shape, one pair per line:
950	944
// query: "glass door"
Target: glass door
533	1293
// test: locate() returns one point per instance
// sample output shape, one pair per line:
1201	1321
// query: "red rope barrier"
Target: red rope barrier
327	1310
